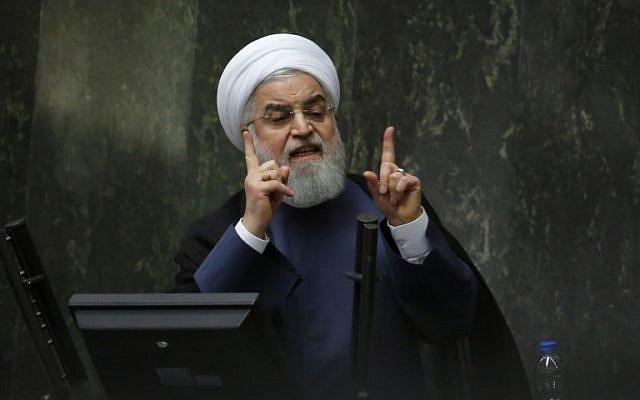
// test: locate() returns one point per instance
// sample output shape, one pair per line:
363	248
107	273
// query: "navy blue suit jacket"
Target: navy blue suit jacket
441	301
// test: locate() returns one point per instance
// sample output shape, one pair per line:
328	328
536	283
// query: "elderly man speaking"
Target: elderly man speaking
290	234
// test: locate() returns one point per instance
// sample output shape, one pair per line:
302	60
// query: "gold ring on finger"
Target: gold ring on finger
265	177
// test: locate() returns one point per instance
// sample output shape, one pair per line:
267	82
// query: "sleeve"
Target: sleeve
411	240
256	243
233	266
440	295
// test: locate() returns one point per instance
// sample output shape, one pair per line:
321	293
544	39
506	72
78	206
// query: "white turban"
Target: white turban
259	59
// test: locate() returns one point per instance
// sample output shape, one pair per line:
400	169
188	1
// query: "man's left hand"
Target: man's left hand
397	193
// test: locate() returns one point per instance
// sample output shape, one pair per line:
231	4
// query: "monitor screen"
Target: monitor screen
181	346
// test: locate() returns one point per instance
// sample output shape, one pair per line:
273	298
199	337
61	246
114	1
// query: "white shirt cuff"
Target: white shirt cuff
411	239
256	243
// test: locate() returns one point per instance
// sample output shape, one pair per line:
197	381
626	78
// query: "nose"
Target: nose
300	126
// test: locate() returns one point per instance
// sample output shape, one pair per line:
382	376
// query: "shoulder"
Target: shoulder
360	181
202	234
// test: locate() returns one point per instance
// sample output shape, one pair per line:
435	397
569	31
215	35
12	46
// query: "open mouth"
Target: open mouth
306	152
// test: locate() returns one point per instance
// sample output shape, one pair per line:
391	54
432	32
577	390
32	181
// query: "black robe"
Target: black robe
485	362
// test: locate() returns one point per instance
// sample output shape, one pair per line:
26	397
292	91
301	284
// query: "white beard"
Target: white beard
312	181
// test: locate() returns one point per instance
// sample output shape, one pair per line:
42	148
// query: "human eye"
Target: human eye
279	117
315	112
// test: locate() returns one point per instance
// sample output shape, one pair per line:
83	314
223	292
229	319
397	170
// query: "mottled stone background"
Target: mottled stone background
521	117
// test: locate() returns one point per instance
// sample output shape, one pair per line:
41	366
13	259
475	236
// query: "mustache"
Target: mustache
295	143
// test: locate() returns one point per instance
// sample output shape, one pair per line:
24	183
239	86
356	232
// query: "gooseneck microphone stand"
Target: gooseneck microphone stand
364	278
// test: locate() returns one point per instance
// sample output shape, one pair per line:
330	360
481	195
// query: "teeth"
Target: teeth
303	152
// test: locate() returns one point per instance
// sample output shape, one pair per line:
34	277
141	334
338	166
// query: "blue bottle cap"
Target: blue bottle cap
547	346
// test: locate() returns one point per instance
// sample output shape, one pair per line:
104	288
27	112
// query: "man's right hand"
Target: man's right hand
265	186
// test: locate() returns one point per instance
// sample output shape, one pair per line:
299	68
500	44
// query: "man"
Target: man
290	234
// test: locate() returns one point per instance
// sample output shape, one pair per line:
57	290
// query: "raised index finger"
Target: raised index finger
388	150
250	152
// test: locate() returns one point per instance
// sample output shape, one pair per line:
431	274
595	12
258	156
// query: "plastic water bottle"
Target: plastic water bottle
548	372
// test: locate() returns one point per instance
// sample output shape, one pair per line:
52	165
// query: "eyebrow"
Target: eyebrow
318	98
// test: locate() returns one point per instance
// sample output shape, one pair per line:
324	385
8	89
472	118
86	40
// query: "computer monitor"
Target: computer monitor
40	310
183	346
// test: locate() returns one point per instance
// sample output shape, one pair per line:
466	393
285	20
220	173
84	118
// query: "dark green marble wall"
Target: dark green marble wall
574	226
19	25
521	118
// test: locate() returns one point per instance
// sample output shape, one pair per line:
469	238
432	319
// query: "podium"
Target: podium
182	346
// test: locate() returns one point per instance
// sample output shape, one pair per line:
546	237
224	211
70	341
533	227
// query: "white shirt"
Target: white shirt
410	238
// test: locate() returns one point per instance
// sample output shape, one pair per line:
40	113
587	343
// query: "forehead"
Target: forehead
294	89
